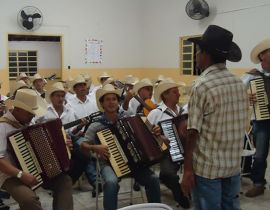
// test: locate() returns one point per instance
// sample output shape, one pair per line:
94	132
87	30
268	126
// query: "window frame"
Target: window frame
24	63
192	61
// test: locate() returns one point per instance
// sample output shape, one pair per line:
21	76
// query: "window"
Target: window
188	56
22	61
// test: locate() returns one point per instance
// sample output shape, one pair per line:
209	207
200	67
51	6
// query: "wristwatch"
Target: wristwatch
19	174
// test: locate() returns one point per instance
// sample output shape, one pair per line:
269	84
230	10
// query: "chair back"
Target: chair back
147	206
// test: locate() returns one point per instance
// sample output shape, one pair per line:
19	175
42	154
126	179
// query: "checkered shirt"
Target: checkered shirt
218	110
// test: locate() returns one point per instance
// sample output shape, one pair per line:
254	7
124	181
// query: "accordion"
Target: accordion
131	145
261	108
41	150
173	129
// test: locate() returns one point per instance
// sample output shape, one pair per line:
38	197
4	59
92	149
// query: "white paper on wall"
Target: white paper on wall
93	51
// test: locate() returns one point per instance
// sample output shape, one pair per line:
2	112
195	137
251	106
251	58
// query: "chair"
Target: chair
248	151
100	181
147	206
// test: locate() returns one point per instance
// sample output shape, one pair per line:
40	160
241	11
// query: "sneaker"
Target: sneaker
255	191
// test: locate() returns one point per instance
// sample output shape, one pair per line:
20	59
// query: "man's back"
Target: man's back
218	109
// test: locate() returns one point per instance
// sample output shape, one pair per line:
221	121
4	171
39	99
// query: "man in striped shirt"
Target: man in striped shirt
218	112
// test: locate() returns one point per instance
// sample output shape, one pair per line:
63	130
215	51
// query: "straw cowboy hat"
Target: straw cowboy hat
163	86
28	100
130	80
19	85
88	79
110	80
58	86
106	89
159	79
218	41
78	80
143	83
21	76
259	48
36	77
103	75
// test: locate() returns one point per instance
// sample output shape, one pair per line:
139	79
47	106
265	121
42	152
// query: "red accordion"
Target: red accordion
41	150
131	145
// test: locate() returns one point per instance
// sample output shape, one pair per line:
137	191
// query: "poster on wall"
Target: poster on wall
93	51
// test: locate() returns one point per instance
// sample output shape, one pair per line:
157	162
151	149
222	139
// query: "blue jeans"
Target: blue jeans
111	187
217	194
261	134
91	172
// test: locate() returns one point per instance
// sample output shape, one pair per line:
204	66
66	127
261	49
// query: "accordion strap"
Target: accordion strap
12	123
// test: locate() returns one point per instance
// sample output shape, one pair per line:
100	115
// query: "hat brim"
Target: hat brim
100	92
234	54
258	49
39	111
49	93
161	89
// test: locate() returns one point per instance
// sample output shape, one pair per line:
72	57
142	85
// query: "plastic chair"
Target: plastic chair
249	150
147	206
100	181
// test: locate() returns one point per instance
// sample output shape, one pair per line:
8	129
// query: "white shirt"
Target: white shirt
161	113
92	92
5	129
133	105
69	96
83	109
67	116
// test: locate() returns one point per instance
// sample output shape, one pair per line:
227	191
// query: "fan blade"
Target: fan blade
36	15
24	15
28	25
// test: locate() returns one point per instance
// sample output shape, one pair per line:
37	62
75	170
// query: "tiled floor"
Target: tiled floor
84	201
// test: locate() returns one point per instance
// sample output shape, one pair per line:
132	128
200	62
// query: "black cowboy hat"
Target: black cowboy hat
218	41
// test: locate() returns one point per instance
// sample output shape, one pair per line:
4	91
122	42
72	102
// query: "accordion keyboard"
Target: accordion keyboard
118	159
260	108
176	148
26	157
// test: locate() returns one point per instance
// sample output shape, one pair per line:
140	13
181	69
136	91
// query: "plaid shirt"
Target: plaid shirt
218	110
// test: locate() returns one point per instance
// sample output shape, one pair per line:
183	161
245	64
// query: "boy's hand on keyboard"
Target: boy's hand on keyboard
102	151
252	99
29	179
156	130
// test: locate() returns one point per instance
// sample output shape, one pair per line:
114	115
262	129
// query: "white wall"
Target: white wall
49	53
165	21
116	22
136	33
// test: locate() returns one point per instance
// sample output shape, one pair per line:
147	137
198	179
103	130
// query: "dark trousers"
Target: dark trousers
261	134
28	200
168	176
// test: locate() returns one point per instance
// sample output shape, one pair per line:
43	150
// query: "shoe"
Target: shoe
136	186
3	206
255	191
184	203
94	194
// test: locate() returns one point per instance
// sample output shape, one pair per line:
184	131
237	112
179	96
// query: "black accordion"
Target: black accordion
131	145
171	129
41	150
